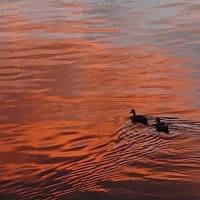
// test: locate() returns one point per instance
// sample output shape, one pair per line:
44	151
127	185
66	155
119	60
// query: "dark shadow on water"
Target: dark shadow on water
8	196
146	190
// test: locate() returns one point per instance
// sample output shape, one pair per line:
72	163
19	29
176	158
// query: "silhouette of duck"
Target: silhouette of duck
161	126
138	118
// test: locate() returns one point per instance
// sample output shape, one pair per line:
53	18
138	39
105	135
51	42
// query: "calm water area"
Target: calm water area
71	71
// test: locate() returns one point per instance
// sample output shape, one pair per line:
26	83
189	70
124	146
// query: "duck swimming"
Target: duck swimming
138	118
161	126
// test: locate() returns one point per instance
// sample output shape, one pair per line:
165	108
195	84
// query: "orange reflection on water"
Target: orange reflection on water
66	102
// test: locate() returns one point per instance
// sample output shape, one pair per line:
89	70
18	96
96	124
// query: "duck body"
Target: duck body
161	126
138	118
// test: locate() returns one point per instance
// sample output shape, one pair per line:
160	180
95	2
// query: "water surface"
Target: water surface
70	71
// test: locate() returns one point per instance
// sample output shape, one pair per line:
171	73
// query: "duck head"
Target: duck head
133	111
158	120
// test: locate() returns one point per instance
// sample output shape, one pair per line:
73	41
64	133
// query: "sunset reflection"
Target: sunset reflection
70	72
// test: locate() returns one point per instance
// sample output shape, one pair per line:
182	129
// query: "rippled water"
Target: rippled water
70	71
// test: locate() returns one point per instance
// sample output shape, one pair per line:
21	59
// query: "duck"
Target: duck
161	126
138	118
